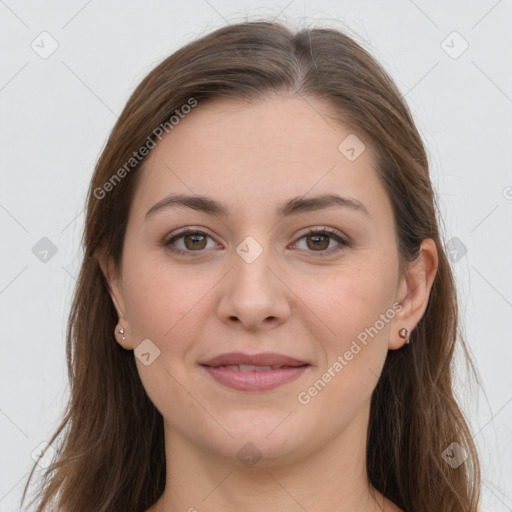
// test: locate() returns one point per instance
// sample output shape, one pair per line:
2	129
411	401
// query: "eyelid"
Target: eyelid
322	229
186	231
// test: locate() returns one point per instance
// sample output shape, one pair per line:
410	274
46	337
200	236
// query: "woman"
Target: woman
265	317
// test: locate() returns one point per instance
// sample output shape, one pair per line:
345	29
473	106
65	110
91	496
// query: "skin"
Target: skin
290	300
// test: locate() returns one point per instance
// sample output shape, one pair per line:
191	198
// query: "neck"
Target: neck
332	478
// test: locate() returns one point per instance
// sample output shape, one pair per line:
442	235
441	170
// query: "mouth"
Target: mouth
253	368
258	372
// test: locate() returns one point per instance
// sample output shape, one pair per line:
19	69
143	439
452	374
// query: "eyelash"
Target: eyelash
312	231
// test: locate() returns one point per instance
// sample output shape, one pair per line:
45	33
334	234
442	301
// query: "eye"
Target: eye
319	239
193	241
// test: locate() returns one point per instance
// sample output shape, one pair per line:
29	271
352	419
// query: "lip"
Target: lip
261	359
255	380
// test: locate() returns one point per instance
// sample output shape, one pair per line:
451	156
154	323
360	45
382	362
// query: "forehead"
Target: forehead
252	155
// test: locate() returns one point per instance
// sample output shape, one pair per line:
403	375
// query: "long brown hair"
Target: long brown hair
111	456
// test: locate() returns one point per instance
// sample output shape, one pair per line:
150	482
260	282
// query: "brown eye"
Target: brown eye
189	241
318	241
196	241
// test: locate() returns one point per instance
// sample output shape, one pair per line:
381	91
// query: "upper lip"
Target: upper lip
262	359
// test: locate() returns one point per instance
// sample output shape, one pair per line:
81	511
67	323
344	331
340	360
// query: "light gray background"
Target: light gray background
56	114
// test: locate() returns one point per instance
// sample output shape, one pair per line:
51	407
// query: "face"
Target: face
253	280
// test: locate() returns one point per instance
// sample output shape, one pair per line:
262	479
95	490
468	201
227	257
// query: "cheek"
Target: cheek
355	309
355	353
347	297
160	307
158	296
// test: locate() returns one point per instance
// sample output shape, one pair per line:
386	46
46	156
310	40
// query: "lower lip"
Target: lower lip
253	380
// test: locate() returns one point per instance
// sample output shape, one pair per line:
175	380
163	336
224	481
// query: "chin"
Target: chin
274	437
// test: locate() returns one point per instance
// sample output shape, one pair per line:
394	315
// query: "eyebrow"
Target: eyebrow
293	206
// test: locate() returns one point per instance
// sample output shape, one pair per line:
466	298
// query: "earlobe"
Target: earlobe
123	337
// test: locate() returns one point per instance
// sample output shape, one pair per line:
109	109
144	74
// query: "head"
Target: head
262	122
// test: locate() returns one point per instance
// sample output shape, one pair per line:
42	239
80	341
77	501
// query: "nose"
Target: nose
254	294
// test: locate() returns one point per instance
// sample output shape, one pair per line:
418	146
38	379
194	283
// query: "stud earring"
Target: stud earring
121	331
403	334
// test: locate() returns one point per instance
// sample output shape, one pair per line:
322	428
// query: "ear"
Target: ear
115	284
414	292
